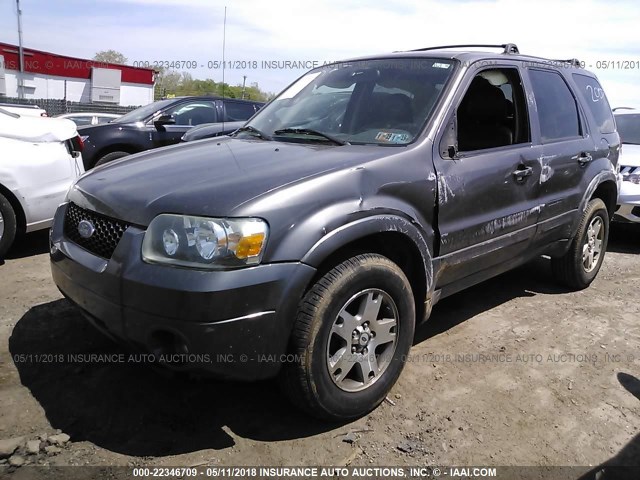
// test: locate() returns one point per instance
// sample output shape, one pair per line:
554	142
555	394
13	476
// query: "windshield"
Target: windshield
142	113
382	102
629	128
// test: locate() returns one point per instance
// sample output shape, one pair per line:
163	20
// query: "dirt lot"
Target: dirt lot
512	372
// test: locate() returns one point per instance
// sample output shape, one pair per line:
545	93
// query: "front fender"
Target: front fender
370	225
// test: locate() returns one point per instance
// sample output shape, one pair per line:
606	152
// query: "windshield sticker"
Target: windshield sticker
441	65
389	137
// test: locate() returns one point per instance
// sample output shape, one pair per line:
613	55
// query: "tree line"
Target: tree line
171	83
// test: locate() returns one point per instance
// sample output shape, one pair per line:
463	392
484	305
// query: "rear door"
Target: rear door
487	208
567	149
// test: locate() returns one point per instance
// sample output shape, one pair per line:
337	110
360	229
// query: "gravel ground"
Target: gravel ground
516	371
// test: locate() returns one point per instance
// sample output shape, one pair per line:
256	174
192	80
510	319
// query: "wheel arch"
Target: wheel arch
17	207
607	191
116	147
604	187
391	236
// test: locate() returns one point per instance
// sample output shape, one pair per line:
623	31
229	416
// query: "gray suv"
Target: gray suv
309	243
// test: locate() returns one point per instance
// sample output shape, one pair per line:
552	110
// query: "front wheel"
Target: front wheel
352	333
579	266
8	225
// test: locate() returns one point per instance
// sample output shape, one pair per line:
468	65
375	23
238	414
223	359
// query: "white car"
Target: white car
28	110
40	160
628	124
89	118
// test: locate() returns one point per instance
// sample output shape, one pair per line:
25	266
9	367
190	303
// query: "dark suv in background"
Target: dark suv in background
310	242
160	124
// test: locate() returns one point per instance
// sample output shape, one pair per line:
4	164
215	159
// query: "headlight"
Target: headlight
202	242
633	178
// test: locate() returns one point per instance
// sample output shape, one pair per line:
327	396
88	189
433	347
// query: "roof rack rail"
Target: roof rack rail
622	108
507	47
573	61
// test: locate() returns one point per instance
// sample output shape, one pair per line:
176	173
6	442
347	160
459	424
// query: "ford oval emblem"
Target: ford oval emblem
86	229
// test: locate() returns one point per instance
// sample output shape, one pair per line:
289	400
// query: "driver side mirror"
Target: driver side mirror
163	119
449	141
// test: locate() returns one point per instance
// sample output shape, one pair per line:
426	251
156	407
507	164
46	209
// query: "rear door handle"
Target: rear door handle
584	158
522	173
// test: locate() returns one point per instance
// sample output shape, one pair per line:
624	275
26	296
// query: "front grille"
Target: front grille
108	231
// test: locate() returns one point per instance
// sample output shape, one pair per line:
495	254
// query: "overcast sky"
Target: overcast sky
326	30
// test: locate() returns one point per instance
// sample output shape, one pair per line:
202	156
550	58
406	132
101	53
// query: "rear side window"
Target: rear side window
596	100
629	128
81	120
557	109
236	112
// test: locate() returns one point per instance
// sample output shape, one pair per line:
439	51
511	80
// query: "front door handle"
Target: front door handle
522	173
584	158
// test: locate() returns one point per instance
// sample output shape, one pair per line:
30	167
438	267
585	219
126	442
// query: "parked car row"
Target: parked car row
309	243
41	158
163	123
25	110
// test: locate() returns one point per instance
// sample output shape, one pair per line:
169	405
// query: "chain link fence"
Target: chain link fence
59	106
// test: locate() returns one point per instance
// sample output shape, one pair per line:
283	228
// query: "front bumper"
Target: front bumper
234	324
628	203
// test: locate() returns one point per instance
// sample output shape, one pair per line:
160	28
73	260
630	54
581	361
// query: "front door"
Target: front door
487	208
186	115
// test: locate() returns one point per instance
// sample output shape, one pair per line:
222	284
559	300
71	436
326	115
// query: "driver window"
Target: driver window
493	111
193	113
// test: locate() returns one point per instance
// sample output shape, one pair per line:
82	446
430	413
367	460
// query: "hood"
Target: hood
90	129
209	178
207	130
630	155
37	129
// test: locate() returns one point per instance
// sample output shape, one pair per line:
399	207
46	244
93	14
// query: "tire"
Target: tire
579	266
110	157
8	225
333	376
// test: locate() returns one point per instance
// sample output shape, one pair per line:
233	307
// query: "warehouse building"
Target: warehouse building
53	76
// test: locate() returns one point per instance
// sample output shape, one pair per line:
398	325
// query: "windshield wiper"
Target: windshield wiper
310	132
251	129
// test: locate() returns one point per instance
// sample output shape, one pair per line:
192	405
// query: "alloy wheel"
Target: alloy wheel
362	340
592	248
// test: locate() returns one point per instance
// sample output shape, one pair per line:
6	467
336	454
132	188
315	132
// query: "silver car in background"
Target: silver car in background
628	124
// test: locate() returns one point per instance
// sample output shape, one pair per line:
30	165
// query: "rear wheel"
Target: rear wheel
352	333
8	225
579	266
110	157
